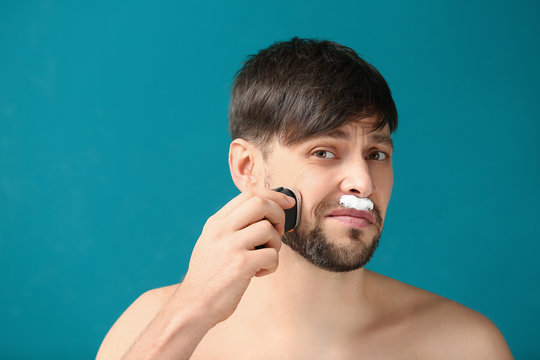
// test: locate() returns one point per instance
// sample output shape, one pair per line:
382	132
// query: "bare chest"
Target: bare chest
236	343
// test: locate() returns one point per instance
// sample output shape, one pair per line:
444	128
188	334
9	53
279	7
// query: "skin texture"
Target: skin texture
286	307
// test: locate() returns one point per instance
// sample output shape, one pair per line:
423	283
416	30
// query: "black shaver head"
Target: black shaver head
292	215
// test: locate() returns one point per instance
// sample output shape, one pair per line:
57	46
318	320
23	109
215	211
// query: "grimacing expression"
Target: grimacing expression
352	160
312	243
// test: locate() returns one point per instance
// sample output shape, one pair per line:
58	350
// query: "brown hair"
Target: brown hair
305	87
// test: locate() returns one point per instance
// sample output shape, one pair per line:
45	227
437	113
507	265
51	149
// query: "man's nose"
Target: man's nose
357	179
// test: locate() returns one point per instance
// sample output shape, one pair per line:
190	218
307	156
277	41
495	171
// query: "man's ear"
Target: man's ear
242	158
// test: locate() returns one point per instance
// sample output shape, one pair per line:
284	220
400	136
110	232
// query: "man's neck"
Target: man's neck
302	297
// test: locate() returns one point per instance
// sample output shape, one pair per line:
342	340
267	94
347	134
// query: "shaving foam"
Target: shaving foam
351	201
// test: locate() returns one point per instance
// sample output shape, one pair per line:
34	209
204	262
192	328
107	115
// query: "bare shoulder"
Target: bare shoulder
446	329
442	328
133	321
465	333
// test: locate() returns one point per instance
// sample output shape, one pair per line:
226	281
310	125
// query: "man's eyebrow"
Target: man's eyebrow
381	139
377	138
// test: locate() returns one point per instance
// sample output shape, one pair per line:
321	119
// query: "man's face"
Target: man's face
348	161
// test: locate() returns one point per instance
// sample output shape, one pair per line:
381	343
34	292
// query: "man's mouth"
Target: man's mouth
351	217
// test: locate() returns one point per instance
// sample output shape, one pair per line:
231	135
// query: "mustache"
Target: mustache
325	207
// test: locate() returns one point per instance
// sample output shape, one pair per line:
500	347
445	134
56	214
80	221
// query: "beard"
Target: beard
312	243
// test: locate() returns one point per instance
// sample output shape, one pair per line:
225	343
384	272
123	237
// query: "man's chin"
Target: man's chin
342	235
336	250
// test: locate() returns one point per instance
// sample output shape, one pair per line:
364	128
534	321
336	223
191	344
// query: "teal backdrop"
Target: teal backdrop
113	151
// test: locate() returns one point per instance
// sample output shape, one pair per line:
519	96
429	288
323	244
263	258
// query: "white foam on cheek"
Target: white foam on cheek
352	201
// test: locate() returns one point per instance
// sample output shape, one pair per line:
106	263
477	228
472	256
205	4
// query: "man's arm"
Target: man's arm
157	322
240	241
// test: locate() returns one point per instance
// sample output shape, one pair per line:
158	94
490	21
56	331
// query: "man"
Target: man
312	116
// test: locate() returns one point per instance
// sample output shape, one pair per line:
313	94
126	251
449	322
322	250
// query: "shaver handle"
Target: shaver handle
292	213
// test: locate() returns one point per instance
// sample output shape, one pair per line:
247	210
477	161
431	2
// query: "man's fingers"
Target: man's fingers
256	209
233	204
284	201
263	261
281	199
260	233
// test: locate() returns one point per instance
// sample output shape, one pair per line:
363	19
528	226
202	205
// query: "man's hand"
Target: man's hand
222	264
225	258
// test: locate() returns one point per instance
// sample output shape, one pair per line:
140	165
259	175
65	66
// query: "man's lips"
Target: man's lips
356	218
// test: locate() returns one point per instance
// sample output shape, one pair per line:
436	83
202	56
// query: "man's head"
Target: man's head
313	116
305	87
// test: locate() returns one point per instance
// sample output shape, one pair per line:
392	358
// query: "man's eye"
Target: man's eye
378	155
324	154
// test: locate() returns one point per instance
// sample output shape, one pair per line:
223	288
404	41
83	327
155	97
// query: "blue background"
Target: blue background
113	151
